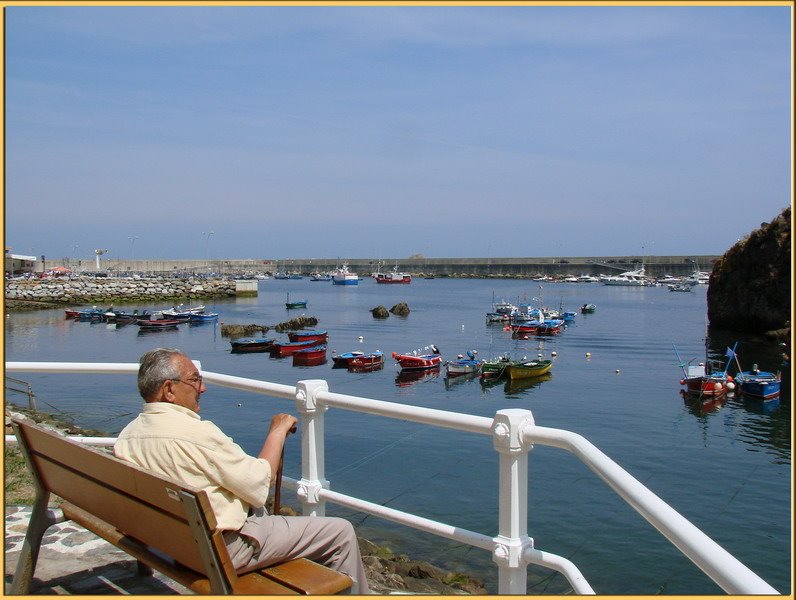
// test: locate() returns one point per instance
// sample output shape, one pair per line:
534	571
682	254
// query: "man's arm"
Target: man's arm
282	425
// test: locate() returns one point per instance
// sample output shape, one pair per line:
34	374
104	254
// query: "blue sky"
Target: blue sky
388	131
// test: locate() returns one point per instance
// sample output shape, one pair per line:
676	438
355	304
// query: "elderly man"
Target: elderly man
170	438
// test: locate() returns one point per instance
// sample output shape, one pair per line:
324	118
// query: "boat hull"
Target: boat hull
526	370
763	384
410	362
309	357
282	349
706	386
307	336
246	345
366	362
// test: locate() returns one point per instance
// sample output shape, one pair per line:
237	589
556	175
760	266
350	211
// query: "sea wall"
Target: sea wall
97	290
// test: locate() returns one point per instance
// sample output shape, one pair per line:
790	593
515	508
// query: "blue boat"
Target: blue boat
759	384
203	317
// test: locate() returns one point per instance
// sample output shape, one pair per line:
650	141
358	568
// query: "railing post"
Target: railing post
512	540
312	447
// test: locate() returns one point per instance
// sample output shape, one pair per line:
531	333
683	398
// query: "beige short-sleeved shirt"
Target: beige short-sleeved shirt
174	441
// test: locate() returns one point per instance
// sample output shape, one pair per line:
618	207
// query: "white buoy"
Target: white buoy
588	355
617	370
730	385
239	405
554	353
361	339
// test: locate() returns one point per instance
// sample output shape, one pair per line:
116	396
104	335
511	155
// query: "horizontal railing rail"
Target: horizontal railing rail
514	433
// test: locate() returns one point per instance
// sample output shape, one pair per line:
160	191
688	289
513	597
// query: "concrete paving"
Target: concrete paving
74	561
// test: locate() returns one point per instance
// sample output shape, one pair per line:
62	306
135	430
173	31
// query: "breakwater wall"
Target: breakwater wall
98	290
656	266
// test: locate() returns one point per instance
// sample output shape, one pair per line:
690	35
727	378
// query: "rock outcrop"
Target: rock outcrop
750	286
401	309
380	312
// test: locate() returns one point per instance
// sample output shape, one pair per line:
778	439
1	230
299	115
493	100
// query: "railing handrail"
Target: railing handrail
515	433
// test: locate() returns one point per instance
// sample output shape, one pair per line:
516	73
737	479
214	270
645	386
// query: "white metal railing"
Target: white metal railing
513	433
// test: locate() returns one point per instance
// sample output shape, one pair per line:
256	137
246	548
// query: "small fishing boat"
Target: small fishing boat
464	366
282	349
756	383
153	324
242	345
294	303
71	313
340	361
550	327
680	287
372	361
415	362
700	381
588	308
303	336
529	368
182	310
91	314
496	368
203	317
321	277
310	357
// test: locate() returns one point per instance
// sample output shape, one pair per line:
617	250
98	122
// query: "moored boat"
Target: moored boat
393	276
309	357
303	336
464	366
321	277
181	310
700	380
341	360
529	368
418	362
343	276
202	317
157	323
294	303
496	368
243	345
588	308
282	349
372	361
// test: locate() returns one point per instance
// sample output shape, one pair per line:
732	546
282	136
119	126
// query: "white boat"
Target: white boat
343	276
637	278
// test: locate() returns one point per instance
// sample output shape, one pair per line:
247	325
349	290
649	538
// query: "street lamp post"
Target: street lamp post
207	246
132	239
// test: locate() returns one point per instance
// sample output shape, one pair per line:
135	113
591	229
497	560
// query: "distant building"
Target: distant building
18	264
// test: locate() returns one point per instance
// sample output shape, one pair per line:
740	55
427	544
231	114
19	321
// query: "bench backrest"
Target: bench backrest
174	518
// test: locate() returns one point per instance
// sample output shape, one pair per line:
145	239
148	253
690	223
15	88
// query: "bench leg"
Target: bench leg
40	520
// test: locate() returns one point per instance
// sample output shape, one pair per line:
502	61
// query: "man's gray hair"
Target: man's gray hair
156	367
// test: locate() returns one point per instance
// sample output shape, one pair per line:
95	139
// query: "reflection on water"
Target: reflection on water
703	405
515	387
406	378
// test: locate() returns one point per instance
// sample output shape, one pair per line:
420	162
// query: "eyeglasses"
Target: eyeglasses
195	383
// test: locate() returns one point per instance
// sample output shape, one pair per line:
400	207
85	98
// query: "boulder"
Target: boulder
401	309
380	312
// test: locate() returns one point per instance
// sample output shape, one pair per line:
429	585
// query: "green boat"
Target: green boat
495	369
528	368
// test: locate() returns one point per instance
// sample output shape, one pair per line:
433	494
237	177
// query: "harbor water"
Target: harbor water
725	466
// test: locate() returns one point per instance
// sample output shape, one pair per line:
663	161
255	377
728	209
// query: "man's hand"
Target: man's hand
283	422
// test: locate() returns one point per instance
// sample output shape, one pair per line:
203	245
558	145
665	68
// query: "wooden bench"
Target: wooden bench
163	524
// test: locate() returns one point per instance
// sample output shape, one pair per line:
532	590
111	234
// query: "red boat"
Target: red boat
72	314
318	337
413	362
367	362
308	357
281	349
393	277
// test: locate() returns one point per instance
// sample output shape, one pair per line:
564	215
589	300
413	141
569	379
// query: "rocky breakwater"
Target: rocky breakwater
750	285
98	290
